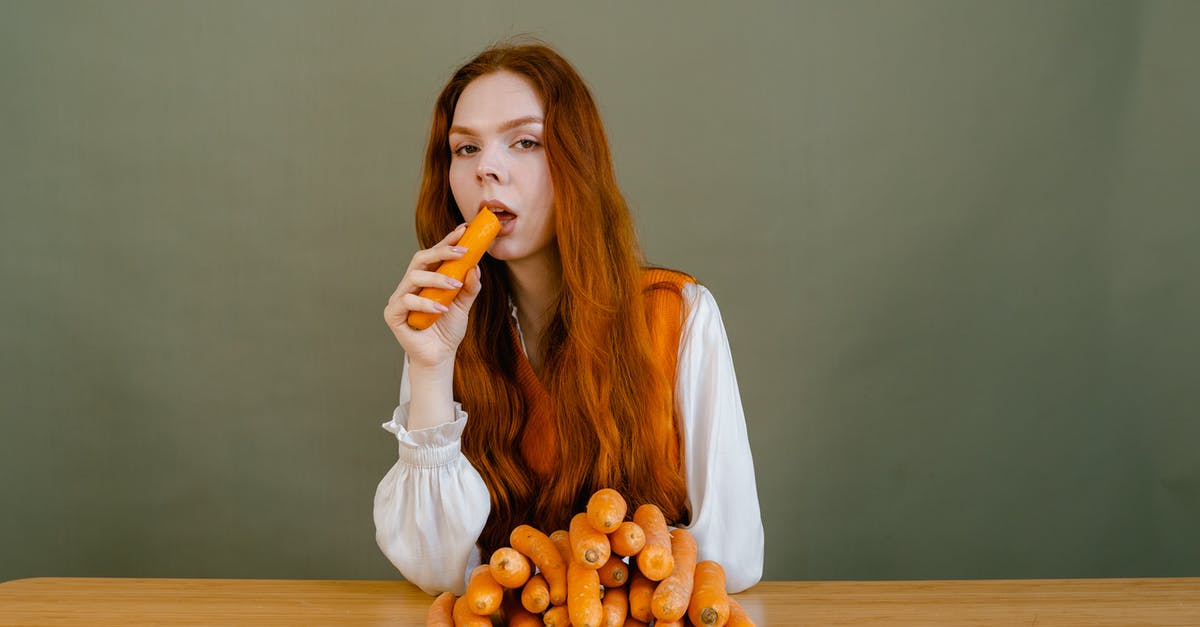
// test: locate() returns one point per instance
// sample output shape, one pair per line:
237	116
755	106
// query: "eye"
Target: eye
526	144
465	149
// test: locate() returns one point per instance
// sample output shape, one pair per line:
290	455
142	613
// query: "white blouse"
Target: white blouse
431	506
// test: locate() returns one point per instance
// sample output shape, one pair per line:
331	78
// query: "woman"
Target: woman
563	366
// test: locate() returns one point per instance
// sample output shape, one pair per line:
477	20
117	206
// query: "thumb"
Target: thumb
472	285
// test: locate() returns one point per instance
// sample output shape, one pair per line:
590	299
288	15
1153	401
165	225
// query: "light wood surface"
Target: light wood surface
132	602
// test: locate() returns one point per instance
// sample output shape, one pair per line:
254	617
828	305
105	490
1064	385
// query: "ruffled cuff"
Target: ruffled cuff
430	447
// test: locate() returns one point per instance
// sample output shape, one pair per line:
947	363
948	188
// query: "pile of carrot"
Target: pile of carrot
603	571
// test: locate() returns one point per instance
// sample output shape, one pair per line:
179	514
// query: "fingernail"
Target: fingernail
442	308
458	249
454	282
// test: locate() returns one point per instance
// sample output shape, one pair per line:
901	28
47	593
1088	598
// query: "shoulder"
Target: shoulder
679	306
701	315
665	279
691	296
666	297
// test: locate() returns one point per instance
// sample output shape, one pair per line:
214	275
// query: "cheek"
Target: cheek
456	174
545	186
460	185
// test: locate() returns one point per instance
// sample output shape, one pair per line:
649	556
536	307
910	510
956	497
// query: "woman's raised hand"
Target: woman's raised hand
436	345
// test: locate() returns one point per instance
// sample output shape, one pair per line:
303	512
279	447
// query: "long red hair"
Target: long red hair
599	366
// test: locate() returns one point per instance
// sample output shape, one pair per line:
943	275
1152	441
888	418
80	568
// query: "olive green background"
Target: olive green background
955	245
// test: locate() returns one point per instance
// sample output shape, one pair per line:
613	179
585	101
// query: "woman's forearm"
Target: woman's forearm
432	390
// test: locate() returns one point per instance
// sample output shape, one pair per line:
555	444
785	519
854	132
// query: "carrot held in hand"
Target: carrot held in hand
709	606
671	597
441	613
478	237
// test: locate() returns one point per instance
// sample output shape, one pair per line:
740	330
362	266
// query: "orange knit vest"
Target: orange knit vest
663	291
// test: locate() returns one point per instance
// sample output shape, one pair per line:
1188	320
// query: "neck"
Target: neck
535	284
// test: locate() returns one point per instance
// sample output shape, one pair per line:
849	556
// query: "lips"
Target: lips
507	218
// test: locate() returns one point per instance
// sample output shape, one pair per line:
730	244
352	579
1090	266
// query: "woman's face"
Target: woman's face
498	161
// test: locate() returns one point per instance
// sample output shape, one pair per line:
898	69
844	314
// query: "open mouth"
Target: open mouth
507	220
502	215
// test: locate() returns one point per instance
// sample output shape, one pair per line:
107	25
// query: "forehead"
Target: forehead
494	98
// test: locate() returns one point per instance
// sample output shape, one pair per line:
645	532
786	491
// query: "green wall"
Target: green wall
955	245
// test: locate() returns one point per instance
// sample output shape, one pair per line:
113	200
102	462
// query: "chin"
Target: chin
500	252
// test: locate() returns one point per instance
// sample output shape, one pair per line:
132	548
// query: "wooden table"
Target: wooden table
130	602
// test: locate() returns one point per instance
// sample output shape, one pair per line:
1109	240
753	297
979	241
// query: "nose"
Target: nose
490	167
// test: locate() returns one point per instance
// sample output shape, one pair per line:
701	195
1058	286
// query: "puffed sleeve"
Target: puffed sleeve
722	492
431	506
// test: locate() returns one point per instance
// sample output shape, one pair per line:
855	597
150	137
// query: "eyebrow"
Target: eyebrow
507	126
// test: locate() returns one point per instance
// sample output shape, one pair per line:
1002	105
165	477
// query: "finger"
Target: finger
417	280
450	239
453	236
426	278
412	302
471	288
395	314
404	287
432	257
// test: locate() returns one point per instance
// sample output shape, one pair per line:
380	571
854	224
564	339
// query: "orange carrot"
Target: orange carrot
709	606
583	595
557	616
633	622
517	616
441	613
641	592
562	539
464	617
616	606
535	596
509	568
654	560
628	539
738	616
614	572
606	509
588	546
537	546
671	623
483	594
479	235
671	597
